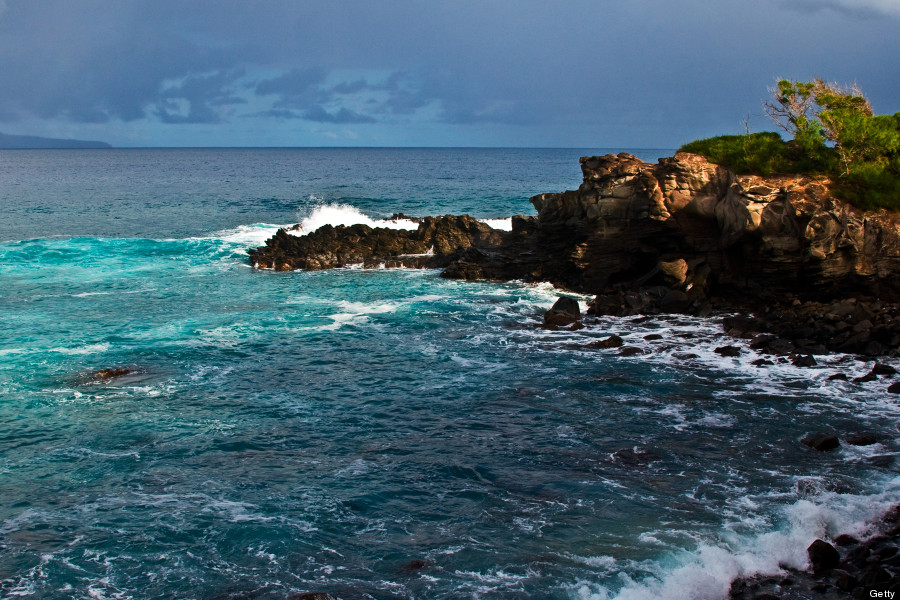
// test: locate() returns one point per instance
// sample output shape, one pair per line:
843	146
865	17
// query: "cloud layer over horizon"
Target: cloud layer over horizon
580	73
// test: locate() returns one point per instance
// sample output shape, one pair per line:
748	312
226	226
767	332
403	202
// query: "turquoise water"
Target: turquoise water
375	433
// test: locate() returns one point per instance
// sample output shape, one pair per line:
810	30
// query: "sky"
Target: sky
530	73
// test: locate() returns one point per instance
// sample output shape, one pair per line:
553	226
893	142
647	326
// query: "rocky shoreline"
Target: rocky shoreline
790	269
808	273
846	568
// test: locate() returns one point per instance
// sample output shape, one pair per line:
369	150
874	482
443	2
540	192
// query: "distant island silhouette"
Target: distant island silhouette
16	142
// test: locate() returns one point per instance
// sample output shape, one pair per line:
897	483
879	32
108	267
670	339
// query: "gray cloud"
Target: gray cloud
857	8
582	71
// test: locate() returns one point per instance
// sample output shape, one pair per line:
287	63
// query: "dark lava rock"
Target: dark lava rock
111	373
631	351
653	336
894	388
823	556
865	378
882	369
821	441
845	539
436	242
837	377
633	457
612	341
728	351
762	362
762	340
805	360
565	311
415	565
860	439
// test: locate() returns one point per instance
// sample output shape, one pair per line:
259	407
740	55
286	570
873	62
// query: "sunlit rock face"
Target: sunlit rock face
686	225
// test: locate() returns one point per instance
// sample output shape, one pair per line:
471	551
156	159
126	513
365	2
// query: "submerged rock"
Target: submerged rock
821	441
860	439
612	341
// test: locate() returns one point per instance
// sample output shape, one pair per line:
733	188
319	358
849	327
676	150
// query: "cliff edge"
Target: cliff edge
697	230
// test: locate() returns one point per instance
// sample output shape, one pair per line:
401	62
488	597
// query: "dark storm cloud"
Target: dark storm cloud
580	69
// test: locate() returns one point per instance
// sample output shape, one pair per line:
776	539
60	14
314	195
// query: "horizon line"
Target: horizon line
624	147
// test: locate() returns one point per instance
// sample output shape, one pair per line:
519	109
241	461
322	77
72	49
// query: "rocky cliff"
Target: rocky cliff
672	234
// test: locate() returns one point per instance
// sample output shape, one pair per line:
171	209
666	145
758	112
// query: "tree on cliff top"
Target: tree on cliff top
816	112
835	133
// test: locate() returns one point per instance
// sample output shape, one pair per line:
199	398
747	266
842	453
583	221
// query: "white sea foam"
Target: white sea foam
346	214
253	235
86	349
707	572
501	224
355	313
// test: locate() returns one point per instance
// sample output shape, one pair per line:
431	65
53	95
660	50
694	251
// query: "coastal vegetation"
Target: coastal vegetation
834	133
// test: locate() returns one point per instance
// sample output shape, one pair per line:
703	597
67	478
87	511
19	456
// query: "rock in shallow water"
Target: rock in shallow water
565	311
821	441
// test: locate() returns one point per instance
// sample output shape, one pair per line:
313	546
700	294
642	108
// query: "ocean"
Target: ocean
379	433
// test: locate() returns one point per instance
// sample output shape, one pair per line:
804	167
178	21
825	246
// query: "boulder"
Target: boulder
823	556
728	351
821	441
804	360
860	439
565	311
612	341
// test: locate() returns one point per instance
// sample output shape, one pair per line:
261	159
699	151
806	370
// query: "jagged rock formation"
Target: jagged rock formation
432	245
683	235
667	236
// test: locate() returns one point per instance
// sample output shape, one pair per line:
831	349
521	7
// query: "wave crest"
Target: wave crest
346	214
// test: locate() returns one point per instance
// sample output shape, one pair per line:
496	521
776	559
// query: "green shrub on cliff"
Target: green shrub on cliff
835	133
763	153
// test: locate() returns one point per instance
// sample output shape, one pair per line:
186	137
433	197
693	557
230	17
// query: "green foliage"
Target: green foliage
835	133
872	184
765	153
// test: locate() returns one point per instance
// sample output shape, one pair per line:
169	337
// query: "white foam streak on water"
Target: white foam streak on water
251	235
707	572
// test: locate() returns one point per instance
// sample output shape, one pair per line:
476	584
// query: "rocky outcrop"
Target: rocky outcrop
433	245
683	235
667	237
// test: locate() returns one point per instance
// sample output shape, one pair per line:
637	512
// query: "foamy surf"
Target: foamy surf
250	235
707	572
501	224
345	214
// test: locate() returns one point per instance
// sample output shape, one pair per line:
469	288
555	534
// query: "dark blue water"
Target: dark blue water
375	433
